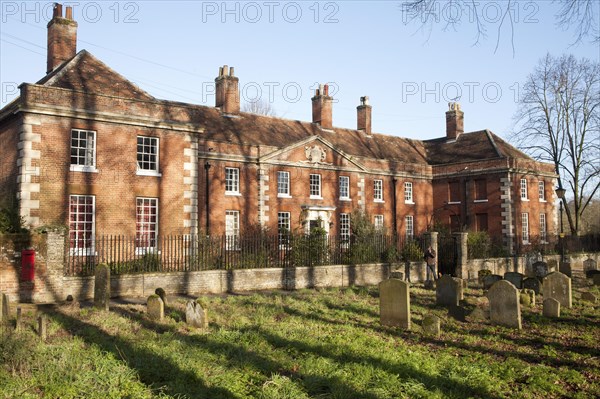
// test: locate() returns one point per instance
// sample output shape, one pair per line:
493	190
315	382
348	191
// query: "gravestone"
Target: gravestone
532	283
431	325
196	315
589	264
596	279
558	286
448	291
19	319
155	307
490	280
589	297
394	303
540	269
102	287
551	308
458	313
398	275
591	273
505	308
163	295
527	297
4	308
429	284
481	275
565	268
515	278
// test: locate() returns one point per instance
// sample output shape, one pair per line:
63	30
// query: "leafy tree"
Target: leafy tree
559	122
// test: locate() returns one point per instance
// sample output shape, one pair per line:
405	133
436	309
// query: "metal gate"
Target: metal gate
447	255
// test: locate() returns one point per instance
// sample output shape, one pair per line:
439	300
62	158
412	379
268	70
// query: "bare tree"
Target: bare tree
559	122
259	107
581	15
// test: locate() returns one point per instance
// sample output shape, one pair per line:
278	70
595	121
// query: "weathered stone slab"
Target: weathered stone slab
596	279
558	286
394	303
4	308
565	268
532	283
515	278
552	265
431	325
527	297
162	294
589	264
591	273
42	327
540	269
551	308
448	291
102	287
155	307
505	308
458	313
481	274
19	323
589	297
397	275
490	280
196	315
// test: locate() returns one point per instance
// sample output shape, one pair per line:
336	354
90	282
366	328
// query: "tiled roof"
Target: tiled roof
84	72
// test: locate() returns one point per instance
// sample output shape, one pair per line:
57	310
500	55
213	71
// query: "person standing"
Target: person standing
430	256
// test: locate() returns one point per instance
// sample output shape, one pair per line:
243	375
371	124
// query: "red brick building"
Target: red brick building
86	148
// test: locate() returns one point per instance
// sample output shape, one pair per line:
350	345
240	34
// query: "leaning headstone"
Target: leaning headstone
558	286
394	303
102	287
596	279
163	295
532	283
431	325
565	268
448	291
196	315
551	308
589	297
527	297
589	264
490	280
540	269
155	307
515	278
19	319
4	308
505	308
42	327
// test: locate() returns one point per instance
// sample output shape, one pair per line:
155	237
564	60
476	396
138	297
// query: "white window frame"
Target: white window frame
408	193
542	191
155	143
378	222
232	230
88	165
283	184
525	227
344	188
378	190
283	226
523	187
345	229
315	186
409	227
543	228
86	250
153	204
232	181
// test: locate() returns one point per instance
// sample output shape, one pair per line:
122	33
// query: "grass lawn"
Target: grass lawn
304	344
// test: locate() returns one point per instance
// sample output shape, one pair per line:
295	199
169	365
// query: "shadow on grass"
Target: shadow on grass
155	371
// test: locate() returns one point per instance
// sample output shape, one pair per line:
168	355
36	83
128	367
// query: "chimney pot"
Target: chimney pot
69	14
57	12
231	71
225	70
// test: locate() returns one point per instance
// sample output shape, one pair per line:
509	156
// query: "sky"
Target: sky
282	50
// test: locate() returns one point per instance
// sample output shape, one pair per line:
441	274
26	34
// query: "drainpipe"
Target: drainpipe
206	197
394	222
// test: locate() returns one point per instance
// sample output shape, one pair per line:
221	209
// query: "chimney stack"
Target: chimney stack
322	107
62	37
454	121
363	115
227	91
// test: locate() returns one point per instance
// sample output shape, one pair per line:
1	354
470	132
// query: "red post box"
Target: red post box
27	264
